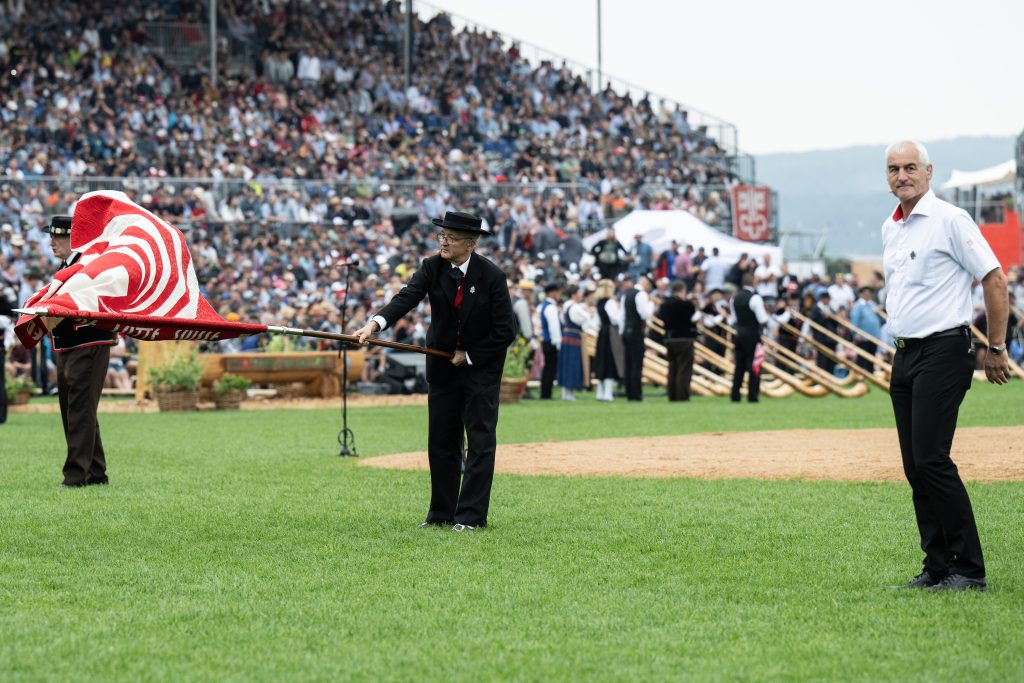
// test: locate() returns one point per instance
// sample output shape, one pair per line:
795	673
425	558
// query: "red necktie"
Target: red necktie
458	297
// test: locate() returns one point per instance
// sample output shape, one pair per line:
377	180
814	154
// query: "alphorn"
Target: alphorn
836	338
780	375
813	372
829	353
775	390
821	348
776	387
799	385
823	379
856	330
846	388
767	384
705	386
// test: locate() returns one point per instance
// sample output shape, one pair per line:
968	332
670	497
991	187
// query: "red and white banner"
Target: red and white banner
751	213
135	277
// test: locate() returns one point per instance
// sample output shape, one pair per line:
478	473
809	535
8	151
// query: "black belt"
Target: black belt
909	342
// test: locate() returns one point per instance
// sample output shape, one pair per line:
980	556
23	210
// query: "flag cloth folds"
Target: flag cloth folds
135	277
758	359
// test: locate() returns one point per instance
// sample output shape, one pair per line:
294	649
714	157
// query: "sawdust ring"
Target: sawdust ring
984	454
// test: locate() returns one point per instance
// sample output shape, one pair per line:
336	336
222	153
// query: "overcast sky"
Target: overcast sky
798	75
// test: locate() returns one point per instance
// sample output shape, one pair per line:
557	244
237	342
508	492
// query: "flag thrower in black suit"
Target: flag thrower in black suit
472	318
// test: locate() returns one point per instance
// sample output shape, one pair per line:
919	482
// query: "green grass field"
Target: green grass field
240	547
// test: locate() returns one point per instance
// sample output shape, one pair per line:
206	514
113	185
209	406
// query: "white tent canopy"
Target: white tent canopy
659	228
1000	174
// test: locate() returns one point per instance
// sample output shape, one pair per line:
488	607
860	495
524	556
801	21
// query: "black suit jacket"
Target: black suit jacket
676	315
487	325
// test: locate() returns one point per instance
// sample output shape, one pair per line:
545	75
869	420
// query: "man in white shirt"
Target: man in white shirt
766	277
842	294
749	316
551	337
715	268
637	310
932	251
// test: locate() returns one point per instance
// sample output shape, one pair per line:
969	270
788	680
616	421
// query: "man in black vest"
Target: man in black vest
471	315
637	311
677	314
6	310
83	353
749	313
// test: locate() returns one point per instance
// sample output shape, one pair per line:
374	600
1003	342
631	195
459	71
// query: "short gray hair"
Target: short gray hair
922	153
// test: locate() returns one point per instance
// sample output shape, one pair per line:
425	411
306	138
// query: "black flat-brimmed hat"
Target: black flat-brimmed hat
463	222
60	226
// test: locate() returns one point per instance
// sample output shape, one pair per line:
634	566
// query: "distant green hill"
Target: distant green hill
844	191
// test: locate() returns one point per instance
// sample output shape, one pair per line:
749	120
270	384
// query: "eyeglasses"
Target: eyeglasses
445	238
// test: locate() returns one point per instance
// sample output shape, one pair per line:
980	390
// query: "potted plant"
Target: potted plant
513	375
19	389
176	383
229	390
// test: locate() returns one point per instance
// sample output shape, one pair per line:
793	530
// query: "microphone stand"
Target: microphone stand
345	435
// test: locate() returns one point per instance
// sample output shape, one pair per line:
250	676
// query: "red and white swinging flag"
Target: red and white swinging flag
135	277
758	359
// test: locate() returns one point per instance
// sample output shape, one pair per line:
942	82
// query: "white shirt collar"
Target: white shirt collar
923	207
464	267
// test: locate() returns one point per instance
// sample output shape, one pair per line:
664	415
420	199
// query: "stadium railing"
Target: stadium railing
56	193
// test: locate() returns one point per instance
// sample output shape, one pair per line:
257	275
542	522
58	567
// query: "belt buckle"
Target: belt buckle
901	343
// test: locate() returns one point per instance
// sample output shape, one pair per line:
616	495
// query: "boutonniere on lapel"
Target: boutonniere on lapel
472	289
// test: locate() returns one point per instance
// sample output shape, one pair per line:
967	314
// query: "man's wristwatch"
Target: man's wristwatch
997	349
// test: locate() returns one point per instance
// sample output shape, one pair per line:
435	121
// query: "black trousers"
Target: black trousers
823	361
870	347
928	383
80	376
680	368
743	358
550	369
461	408
634	370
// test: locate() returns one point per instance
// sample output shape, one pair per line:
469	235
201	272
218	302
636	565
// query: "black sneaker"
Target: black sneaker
959	582
922	580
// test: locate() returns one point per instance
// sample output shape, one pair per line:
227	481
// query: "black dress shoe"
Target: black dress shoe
100	481
922	580
959	582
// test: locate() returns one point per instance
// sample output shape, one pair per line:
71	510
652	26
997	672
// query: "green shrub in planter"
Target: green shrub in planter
228	383
18	385
180	374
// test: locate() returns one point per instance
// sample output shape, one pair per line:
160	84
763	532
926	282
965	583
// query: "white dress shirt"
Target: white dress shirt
930	258
554	321
756	305
644	305
616	314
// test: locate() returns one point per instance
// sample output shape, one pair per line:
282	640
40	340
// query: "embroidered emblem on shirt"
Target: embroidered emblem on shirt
913	255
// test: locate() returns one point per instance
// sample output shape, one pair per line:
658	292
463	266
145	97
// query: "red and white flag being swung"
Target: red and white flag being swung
135	277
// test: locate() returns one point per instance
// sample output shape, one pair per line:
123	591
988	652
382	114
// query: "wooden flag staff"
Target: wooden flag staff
351	338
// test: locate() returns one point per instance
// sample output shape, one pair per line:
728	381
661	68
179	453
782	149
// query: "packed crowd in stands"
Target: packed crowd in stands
315	153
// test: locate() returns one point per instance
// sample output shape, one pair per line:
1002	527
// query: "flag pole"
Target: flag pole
351	338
